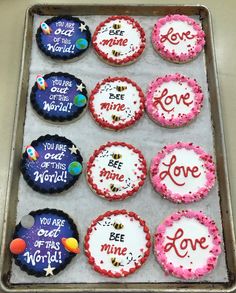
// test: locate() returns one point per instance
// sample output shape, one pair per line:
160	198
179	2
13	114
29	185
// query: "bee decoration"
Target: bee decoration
116	26
118	226
116	156
115	262
113	188
115	118
115	53
121	88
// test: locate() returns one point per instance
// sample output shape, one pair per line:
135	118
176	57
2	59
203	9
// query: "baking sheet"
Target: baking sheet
79	201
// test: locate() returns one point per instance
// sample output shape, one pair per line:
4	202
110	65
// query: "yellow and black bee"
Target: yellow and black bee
113	188
115	118
121	88
116	26
116	156
118	226
115	262
115	53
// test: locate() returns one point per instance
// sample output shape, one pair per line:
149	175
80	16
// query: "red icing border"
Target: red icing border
123	196
91	259
183	119
128	59
181	272
119	126
186	198
172	56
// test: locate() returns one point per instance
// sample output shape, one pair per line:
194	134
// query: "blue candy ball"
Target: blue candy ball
75	168
80	100
81	44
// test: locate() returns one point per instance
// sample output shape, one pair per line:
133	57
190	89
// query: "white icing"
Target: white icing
179	27
128	169
186	158
130	99
193	230
134	240
132	35
178	105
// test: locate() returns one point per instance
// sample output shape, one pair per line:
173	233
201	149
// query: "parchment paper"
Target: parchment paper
79	201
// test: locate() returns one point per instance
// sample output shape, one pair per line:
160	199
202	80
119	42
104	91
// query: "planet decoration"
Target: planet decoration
80	100
75	168
81	44
71	244
17	246
27	221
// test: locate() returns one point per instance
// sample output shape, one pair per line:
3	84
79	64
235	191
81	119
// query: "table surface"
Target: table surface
11	31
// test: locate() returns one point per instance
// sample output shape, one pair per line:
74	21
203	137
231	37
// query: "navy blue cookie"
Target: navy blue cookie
50	240
51	164
59	97
63	37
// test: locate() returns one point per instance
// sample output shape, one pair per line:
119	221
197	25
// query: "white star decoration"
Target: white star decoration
49	270
82	27
73	149
80	87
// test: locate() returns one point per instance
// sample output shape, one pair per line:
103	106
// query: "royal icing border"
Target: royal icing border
71	255
55	118
58	56
119	126
172	56
128	59
127	194
209	165
184	118
31	182
91	259
180	272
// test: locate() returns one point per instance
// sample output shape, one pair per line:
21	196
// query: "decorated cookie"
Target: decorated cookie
63	37
183	172
116	170
44	242
116	103
59	96
178	38
187	244
174	100
117	243
119	40
51	164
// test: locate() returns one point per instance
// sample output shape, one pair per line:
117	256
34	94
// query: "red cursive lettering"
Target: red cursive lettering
185	244
165	100
111	106
111	175
114	42
176	171
111	249
175	38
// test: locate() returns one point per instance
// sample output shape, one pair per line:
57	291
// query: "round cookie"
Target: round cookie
116	171
119	40
178	38
59	97
63	37
116	103
51	164
187	244
183	172
174	100
117	243
50	241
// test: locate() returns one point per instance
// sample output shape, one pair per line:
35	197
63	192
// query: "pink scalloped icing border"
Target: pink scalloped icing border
183	57
181	272
183	119
176	197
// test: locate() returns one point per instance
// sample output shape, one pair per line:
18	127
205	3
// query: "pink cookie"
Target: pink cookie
187	244
183	172
178	38
116	103
174	100
119	40
117	243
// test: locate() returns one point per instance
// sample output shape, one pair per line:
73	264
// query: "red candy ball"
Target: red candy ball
17	246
